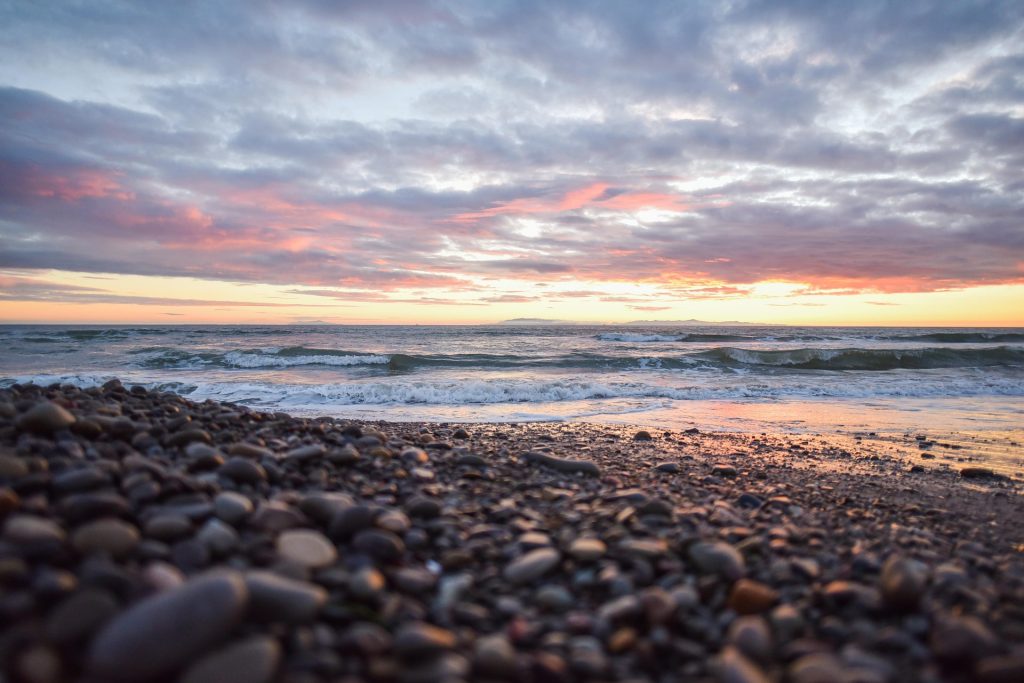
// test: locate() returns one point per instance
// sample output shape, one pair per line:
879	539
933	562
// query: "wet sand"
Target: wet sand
146	537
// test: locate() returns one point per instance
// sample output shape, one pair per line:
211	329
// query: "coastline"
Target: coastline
418	551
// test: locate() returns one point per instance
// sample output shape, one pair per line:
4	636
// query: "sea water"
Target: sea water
738	378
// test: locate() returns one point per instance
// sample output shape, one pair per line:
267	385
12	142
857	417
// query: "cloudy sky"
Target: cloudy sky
407	161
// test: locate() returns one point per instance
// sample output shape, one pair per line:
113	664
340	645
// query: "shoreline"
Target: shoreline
487	551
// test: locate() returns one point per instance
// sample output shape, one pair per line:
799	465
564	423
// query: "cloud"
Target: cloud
359	151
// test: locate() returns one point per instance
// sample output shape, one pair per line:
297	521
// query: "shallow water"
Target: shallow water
722	378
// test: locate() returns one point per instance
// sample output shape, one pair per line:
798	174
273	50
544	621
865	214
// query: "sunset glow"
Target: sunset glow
470	162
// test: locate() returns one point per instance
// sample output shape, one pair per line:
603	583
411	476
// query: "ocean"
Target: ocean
726	378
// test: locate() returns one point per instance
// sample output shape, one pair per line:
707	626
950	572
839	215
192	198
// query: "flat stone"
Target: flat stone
80	479
30	530
324	505
45	418
724	470
277	598
978	473
532	565
647	548
667	467
304	453
752	597
109	535
168	527
421	640
187	436
562	464
163	633
253	660
718	558
587	549
307	548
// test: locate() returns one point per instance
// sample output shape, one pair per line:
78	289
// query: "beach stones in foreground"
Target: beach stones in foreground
45	418
307	548
253	660
165	632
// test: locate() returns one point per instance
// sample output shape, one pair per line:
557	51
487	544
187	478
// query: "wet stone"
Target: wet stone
163	633
243	470
532	565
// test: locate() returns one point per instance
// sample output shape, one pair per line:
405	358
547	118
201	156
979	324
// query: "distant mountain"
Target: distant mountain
539	321
691	321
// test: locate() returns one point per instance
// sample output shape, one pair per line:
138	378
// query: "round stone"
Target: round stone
379	544
253	660
752	597
307	548
532	565
587	549
232	507
366	583
494	656
243	470
45	418
163	633
28	530
109	535
903	582
718	558
736	668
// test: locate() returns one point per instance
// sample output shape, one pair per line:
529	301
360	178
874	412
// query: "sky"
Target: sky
806	162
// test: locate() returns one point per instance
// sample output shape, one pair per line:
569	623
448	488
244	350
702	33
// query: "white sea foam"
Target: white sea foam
245	359
637	337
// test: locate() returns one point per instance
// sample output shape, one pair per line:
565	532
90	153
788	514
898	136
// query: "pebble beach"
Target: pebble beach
146	537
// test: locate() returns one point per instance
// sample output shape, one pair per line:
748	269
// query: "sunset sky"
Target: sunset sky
458	162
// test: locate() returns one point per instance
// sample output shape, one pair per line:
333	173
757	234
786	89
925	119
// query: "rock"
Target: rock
109	535
643	435
903	582
977	473
163	633
423	507
818	667
718	558
1001	669
724	470
187	436
168	526
31	530
494	656
736	668
647	548
959	639
306	548
461	434
752	597
78	617
532	565
587	549
244	471
219	538
277	598
304	453
562	464
750	634
420	640
45	418
253	660
668	467
367	583
232	507
379	544
39	664
12	467
349	521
